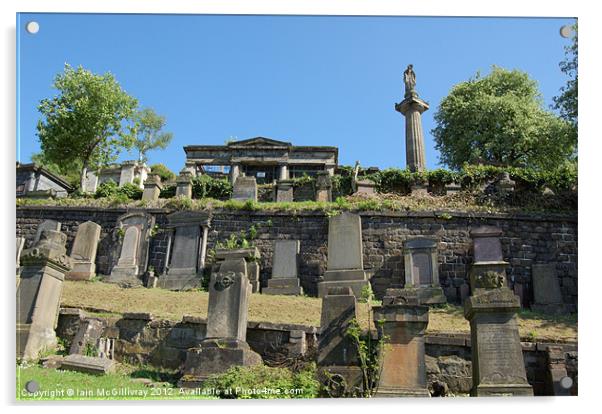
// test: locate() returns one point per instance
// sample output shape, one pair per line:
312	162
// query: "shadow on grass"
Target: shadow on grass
156	375
567	320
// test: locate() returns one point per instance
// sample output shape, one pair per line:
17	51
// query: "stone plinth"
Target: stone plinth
133	233
365	187
403	371
546	289
152	188
187	250
345	266
284	191
245	188
323	187
43	269
338	363
184	184
83	252
251	256
285	277
412	108
225	343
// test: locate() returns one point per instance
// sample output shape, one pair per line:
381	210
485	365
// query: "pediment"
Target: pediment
259	142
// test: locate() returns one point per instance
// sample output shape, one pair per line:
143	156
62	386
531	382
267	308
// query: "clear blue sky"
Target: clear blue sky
310	80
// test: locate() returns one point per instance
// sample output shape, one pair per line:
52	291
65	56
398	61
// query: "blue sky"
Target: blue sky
311	80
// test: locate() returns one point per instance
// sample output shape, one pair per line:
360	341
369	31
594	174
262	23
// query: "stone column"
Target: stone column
401	327
184	184
152	188
323	187
412	108
283	172
234	173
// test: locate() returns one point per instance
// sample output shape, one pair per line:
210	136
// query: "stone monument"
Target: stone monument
225	343
184	184
45	225
401	325
498	367
421	272
284	191
323	187
345	267
39	293
285	277
83	252
251	256
186	250
133	230
361	186
245	188
338	359
152	188
546	289
412	107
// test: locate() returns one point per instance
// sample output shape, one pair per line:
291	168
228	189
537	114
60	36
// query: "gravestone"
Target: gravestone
45	225
87	336
338	360
546	289
284	191
184	184
43	269
402	327
133	230
498	367
225	343
285	277
152	188
186	251
245	188
421	272
83	252
323	187
345	266
87	364
251	256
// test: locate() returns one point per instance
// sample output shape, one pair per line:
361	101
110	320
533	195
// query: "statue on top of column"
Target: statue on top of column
409	79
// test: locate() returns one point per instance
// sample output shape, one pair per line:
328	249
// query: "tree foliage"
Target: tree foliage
70	171
148	127
163	171
87	122
566	102
500	120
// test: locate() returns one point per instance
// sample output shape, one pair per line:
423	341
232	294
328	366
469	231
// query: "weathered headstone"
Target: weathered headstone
421	272
402	327
285	277
251	256
225	343
498	367
39	293
323	187
345	267
133	230
87	364
83	252
87	336
152	188
284	191
184	184
45	225
245	188
187	256
338	360
546	289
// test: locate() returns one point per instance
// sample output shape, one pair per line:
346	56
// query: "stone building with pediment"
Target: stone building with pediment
264	158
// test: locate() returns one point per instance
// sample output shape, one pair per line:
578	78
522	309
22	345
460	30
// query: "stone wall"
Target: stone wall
527	239
140	339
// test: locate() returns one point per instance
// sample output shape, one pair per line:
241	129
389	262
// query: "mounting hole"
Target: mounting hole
32	27
566	382
566	31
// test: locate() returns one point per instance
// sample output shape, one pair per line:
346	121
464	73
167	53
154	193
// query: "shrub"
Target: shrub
106	189
131	191
162	171
204	186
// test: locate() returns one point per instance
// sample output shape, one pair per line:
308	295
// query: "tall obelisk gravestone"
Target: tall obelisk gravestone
412	107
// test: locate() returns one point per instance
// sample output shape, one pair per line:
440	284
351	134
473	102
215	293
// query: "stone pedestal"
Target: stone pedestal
323	186
284	191
404	370
43	269
251	256
224	345
546	289
365	187
83	253
187	248
345	266
152	188
285	280
245	188
412	107
184	184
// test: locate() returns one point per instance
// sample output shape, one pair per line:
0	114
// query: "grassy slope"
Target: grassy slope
304	310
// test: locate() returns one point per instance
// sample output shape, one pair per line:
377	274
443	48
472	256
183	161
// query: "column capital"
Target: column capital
411	102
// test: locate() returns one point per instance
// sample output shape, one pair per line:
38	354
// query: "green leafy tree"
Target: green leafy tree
68	170
566	102
148	127
87	122
163	171
500	120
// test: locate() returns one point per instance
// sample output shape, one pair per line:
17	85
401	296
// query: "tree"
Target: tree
566	102
87	122
68	170
162	171
500	120
148	125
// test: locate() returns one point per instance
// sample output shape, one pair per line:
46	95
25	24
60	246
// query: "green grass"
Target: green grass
67	385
